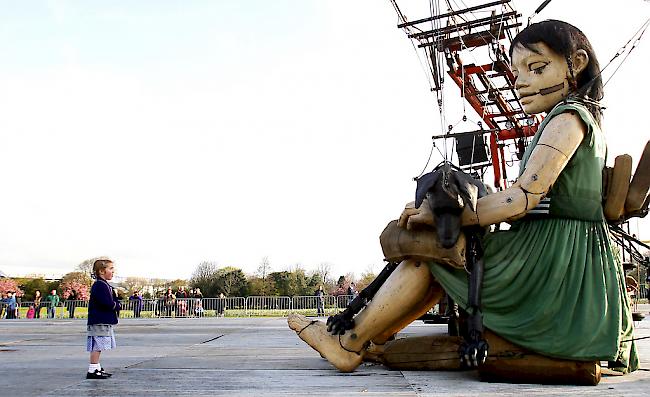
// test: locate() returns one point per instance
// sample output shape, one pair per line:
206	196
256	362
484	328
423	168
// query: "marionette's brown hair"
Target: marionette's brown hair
100	264
565	39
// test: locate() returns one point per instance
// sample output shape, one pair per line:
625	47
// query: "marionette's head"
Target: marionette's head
552	60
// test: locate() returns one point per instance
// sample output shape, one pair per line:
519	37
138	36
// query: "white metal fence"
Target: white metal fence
251	306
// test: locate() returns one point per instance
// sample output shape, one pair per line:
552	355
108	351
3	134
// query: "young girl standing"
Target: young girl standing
103	310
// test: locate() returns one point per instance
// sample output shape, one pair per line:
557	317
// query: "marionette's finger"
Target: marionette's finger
406	214
421	218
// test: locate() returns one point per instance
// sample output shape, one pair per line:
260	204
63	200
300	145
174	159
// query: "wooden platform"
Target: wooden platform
235	357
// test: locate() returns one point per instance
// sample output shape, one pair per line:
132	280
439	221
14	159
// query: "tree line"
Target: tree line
209	277
231	281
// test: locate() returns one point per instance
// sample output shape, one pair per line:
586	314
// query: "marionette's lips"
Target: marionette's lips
523	95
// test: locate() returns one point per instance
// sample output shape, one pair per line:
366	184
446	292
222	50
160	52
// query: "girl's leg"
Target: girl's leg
405	293
94	357
95	370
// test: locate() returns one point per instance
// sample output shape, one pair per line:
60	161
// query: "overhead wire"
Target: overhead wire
642	29
489	85
402	18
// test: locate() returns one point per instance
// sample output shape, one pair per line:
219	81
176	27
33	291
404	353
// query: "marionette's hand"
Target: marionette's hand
341	322
411	216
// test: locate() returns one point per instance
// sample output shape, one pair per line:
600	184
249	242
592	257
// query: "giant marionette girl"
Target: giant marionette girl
553	284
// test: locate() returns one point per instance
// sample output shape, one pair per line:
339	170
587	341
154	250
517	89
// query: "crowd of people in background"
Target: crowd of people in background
182	303
179	302
10	305
9	308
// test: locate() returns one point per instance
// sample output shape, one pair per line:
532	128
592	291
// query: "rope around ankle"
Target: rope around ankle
347	350
307	326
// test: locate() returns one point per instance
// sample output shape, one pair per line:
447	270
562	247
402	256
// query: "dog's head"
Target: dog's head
448	191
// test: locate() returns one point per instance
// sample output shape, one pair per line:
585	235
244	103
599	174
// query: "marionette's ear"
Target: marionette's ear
469	189
424	183
580	60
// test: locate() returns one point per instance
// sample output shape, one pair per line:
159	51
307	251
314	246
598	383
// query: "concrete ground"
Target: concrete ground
238	357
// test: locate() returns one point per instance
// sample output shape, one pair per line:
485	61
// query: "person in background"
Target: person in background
37	304
352	292
136	303
19	299
3	305
103	311
10	301
52	302
181	293
221	304
320	301
198	307
170	302
71	302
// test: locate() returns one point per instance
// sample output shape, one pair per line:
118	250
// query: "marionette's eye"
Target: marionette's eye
537	67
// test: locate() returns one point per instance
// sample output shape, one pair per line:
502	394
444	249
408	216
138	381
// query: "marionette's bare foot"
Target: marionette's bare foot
328	345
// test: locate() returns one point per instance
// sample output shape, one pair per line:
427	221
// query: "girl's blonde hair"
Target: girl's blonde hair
100	264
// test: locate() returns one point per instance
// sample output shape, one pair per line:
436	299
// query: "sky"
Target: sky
168	133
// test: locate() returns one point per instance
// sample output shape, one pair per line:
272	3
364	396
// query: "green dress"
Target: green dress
554	283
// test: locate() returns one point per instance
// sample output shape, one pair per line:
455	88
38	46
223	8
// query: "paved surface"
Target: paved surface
237	357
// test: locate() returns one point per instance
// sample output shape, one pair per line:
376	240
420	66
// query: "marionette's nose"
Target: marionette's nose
520	83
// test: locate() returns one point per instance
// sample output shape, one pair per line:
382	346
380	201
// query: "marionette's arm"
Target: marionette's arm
558	142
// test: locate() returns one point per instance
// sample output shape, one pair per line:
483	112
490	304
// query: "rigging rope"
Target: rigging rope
538	10
642	29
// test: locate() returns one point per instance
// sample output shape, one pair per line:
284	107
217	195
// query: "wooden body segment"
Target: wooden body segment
640	184
420	244
506	362
617	188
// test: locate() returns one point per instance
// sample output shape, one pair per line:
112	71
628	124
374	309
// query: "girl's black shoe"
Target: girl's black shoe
103	371
97	375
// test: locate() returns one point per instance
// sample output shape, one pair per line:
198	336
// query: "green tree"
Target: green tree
259	286
282	282
265	286
324	276
135	283
175	284
366	277
299	284
50	285
30	286
231	281
205	278
77	277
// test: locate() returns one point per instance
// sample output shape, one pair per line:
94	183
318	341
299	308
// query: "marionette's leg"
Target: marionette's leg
433	296
375	351
402	294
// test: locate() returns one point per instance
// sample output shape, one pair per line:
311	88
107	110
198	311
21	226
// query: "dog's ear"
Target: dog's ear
469	189
424	184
